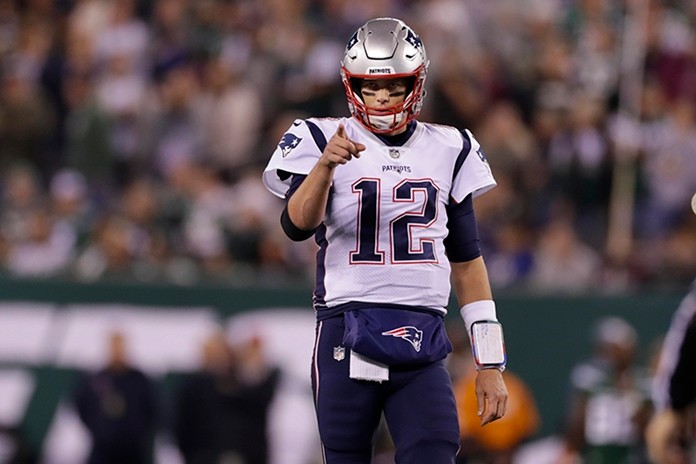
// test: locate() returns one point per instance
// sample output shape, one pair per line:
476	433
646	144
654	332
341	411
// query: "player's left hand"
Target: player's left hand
491	395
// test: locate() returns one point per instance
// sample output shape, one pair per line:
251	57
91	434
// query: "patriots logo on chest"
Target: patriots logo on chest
411	334
288	143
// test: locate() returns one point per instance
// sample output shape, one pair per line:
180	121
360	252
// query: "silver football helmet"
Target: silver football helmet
384	48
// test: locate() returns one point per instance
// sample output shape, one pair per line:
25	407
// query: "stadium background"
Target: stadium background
132	134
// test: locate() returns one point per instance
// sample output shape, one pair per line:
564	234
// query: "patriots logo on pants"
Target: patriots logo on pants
288	142
411	334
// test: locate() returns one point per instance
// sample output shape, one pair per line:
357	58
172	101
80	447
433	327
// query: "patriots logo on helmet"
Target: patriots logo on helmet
411	334
288	142
413	39
353	40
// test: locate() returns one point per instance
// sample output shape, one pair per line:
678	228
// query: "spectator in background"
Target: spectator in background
150	245
231	114
123	35
669	170
221	411
46	250
512	257
512	149
110	253
9	19
170	24
459	97
610	401
578	159
174	132
22	194
118	407
252	216
671	433
88	144
71	205
120	93
562	262
90	17
26	120
121	85
209	205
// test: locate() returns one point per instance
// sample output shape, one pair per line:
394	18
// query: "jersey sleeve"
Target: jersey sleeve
296	153
472	173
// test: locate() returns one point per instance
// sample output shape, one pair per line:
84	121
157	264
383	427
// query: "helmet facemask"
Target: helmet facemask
390	119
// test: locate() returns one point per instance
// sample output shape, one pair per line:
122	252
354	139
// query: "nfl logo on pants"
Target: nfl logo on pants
339	353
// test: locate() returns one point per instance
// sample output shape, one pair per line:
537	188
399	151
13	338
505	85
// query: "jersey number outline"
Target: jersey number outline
368	250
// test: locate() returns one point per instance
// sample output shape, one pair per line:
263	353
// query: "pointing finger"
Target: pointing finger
341	131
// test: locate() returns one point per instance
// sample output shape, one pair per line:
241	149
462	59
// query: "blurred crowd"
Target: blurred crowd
133	133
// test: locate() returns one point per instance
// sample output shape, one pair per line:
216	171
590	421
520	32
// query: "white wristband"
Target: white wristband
483	310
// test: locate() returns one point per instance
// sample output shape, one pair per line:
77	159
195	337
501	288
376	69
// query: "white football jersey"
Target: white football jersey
382	238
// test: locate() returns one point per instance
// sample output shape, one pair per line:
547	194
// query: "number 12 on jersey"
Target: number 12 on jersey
420	196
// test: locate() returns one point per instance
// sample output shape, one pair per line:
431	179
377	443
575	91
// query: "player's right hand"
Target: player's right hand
340	149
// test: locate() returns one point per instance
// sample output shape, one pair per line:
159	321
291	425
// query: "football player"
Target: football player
388	200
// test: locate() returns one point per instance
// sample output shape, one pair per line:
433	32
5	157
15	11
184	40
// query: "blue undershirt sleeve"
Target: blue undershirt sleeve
462	242
293	232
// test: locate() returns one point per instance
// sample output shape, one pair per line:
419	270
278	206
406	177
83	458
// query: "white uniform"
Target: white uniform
386	209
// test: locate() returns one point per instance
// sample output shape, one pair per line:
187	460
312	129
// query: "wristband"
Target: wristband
483	310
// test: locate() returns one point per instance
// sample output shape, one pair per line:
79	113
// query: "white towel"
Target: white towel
363	368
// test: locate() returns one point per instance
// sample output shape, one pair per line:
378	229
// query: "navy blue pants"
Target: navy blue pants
418	405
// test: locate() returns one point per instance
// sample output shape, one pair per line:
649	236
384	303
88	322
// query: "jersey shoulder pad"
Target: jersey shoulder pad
473	174
443	135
